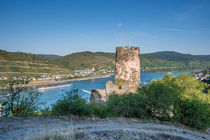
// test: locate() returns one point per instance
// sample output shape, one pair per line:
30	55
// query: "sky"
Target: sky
66	26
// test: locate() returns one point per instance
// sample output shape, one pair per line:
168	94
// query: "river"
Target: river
51	96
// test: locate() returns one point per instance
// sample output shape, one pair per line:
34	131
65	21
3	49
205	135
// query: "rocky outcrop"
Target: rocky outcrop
66	128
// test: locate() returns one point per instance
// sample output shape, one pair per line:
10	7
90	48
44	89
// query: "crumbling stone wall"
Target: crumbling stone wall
98	96
127	74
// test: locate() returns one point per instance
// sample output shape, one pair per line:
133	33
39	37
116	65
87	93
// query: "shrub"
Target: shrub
100	110
43	112
193	105
71	103
74	104
194	113
179	98
19	100
153	101
127	105
160	99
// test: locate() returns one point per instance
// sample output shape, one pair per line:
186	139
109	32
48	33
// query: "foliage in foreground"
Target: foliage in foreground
72	103
19	100
179	99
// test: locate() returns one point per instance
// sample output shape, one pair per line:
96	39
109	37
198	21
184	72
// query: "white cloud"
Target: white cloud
119	25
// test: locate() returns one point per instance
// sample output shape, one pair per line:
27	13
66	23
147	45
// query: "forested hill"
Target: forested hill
159	61
49	56
38	64
83	60
14	63
174	59
178	57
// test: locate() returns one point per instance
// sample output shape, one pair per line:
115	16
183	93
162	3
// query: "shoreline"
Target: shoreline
174	71
38	84
45	83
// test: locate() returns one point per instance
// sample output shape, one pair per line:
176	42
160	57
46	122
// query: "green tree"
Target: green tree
180	98
19	100
127	105
160	98
71	103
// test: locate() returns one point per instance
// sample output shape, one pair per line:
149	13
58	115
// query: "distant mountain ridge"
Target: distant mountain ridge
179	60
158	61
173	56
19	62
49	56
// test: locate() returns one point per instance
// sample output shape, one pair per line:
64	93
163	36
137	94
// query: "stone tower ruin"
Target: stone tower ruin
127	67
127	74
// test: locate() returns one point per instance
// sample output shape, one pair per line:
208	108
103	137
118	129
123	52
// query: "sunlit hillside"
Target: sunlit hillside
27	64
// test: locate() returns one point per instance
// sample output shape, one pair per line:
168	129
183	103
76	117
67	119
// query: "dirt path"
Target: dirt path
30	128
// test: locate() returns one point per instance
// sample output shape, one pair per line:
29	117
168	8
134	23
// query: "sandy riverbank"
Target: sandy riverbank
45	83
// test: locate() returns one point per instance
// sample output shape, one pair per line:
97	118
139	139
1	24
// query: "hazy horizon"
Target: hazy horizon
65	27
94	52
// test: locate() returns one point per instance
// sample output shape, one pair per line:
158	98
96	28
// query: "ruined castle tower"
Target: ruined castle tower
127	75
127	67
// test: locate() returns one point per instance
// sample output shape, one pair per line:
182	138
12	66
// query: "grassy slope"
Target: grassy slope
27	63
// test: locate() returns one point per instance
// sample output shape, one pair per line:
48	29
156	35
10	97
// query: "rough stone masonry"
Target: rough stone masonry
127	75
